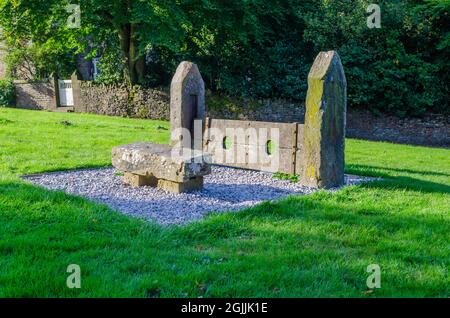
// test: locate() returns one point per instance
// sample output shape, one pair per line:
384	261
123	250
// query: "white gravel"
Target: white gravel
226	189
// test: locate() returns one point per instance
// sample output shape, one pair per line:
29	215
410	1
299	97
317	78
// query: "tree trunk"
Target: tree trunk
124	38
140	69
134	64
134	55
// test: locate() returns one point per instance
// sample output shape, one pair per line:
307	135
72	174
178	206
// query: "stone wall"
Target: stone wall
276	110
39	95
120	100
124	101
431	130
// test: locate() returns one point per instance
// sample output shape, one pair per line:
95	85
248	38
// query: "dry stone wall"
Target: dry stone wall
431	130
123	101
270	110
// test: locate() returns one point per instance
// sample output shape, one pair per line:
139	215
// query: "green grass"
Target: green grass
285	176
311	246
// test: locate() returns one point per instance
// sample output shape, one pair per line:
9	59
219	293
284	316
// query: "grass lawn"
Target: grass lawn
310	246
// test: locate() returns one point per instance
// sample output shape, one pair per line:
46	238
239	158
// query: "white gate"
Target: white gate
65	92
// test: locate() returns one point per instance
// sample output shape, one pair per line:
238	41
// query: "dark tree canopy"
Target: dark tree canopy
245	48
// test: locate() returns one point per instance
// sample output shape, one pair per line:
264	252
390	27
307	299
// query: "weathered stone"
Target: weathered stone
249	142
161	161
324	130
136	180
187	103
76	91
195	184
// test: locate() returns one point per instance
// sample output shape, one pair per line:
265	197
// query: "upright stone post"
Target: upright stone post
325	120
76	91
187	106
53	81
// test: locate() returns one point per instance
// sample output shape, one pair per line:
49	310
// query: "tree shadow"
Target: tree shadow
408	183
355	169
400	182
312	239
49	170
243	192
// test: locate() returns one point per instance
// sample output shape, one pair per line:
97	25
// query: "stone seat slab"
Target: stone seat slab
178	165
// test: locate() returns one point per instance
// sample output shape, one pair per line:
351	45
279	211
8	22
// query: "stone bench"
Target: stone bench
161	166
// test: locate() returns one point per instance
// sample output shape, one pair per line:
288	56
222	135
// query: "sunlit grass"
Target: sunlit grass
310	246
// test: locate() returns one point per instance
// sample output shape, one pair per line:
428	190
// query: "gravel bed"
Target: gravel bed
225	189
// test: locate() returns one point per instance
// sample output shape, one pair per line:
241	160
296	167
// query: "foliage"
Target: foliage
400	69
37	38
251	49
36	61
7	93
110	64
395	69
139	25
284	176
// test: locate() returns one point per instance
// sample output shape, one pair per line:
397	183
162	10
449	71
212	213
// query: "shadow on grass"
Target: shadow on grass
412	184
324	240
399	182
355	169
64	169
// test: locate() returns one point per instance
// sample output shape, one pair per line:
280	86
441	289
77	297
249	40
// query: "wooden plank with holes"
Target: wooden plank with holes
255	155
251	132
299	151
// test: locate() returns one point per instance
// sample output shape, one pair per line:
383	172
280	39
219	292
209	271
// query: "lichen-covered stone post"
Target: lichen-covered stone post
325	120
187	104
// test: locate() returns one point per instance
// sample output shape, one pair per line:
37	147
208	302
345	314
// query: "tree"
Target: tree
137	24
249	48
35	38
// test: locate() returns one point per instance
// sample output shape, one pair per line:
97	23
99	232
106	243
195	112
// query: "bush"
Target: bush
110	65
37	61
397	69
263	48
401	68
7	93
